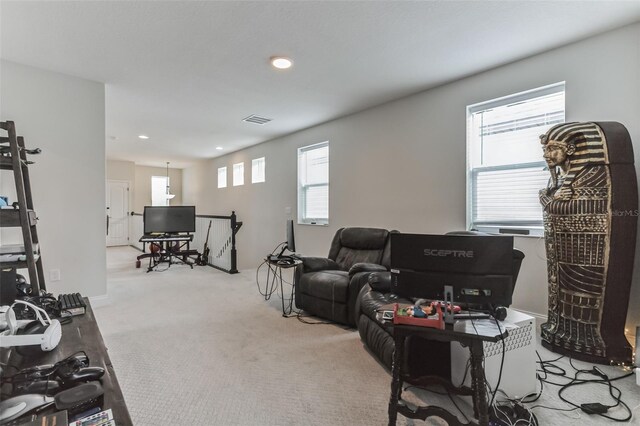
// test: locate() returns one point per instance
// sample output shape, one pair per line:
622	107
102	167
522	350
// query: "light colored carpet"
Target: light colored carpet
202	347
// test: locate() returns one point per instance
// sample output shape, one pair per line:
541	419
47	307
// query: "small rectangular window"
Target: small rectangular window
159	186
313	184
257	170
238	174
222	177
505	164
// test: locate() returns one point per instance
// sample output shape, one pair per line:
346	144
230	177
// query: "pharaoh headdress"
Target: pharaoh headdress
590	147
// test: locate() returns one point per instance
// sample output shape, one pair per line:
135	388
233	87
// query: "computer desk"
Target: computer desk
165	252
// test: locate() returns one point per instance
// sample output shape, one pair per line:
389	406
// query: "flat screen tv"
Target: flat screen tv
479	268
169	219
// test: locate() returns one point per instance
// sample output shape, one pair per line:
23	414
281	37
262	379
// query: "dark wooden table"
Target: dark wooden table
471	338
82	334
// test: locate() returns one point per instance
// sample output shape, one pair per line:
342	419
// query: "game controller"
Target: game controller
76	369
85	374
45	387
50	379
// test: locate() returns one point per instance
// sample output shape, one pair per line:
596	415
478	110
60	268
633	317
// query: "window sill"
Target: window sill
314	223
517	231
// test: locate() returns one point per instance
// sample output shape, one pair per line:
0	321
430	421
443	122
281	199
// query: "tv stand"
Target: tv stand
166	248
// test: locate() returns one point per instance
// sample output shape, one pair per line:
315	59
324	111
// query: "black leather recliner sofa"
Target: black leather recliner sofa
329	287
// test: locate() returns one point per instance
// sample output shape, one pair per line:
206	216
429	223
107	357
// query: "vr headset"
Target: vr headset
43	331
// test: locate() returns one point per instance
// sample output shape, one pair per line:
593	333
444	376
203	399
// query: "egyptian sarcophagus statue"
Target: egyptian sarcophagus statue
590	210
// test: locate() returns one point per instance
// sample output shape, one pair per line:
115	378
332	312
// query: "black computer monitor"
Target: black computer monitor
169	219
478	268
291	241
290	244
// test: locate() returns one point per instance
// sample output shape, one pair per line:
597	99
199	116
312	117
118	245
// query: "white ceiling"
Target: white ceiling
186	73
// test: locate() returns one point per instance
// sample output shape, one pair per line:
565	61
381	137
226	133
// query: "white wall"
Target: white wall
402	165
64	116
121	170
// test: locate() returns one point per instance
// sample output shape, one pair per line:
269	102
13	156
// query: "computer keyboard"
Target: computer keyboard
71	304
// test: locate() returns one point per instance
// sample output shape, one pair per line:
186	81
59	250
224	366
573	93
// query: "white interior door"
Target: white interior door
117	213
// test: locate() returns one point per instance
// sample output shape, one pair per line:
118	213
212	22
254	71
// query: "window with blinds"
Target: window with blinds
506	169
222	177
257	170
313	184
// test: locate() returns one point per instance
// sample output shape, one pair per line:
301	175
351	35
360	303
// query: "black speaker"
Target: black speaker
7	286
80	398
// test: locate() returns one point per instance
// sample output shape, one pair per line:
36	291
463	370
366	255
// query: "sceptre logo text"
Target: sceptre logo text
448	253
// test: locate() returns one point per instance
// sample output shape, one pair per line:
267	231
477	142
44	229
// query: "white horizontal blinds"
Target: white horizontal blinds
313	176
317	206
506	163
159	191
238	174
222	177
257	170
509	196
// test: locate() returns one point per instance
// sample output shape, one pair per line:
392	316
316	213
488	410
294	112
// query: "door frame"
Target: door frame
127	212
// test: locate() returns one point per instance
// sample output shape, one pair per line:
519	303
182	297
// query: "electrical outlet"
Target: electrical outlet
54	275
287	210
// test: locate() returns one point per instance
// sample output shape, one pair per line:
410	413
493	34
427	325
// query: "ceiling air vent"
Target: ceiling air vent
256	119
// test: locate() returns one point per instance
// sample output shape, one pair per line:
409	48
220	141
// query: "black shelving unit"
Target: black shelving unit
13	156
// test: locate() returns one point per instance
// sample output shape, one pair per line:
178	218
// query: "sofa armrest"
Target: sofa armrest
380	281
312	264
357	310
358	278
365	267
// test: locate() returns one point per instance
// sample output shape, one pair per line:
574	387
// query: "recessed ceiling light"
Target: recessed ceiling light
219	148
281	62
143	136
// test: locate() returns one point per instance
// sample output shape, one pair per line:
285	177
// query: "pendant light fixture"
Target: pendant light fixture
169	194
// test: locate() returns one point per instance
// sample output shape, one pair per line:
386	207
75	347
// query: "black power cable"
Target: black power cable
504	350
549	368
597	408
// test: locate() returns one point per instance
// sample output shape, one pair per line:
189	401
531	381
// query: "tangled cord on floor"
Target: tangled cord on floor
516	413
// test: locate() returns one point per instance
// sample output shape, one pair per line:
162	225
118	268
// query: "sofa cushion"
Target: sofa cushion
353	245
327	285
310	264
364	238
347	257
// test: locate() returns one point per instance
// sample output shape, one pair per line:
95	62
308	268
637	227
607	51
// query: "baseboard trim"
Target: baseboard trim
98	301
